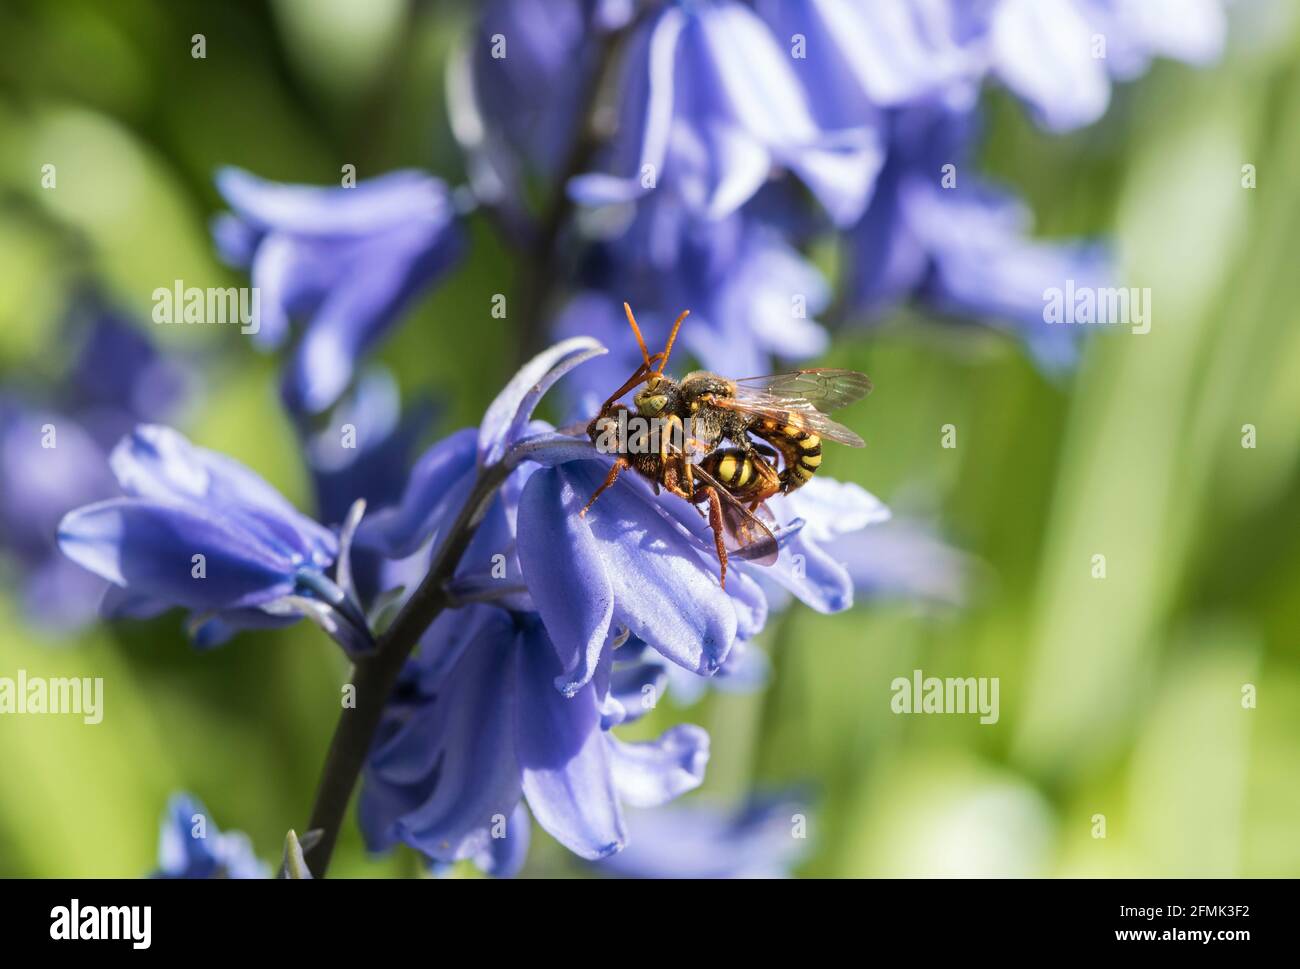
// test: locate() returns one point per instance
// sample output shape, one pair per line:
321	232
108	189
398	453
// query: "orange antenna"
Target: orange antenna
638	377
672	338
640	340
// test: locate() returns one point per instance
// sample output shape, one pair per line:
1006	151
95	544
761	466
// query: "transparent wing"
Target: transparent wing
789	410
823	389
744	535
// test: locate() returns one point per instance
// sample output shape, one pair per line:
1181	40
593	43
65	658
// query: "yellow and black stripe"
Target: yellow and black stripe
735	471
746	476
800	450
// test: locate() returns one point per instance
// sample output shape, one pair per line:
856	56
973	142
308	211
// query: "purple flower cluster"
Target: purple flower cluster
869	106
697	153
54	445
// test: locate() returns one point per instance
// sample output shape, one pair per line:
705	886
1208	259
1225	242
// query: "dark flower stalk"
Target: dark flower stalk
375	675
376	672
540	269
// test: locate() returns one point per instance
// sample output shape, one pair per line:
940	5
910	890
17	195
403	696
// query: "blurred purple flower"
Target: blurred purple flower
903	559
1059	56
364	452
53	459
865	55
345	261
200	531
760	839
937	233
516	95
191	846
753	297
710	105
118	377
476	724
49	464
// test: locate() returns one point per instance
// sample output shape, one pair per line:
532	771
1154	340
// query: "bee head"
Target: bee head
652	401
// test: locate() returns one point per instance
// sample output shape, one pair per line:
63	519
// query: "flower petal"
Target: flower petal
1042	49
567	777
160	464
370	206
502	857
150	548
665	587
565	573
439	484
437	781
512	409
637	689
654	772
378	280
813	575
641	145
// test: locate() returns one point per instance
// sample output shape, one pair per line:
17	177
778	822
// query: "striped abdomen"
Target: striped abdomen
745	475
801	451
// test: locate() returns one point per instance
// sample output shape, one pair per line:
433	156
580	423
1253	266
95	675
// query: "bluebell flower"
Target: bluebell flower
49	464
560	632
634	562
746	669
828	510
753	296
364	453
862	56
200	531
476	724
191	846
710	105
1059	56
903	559
346	262
813	566
54	444
118	378
762	838
961	245
629	564
517	96
641	564
528	97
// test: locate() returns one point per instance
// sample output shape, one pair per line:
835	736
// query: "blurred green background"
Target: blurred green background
1119	697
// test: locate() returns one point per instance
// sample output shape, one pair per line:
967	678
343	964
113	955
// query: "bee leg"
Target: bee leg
610	478
715	523
678	477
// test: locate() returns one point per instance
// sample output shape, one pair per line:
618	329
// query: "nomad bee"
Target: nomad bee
787	410
737	531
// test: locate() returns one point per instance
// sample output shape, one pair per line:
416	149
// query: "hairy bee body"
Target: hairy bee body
708	401
763	419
